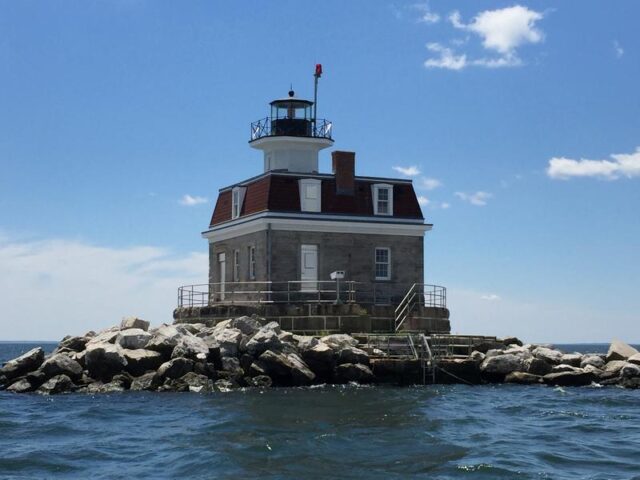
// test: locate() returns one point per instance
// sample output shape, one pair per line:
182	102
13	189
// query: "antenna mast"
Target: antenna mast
316	76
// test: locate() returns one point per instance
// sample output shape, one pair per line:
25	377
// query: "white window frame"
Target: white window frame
237	199
375	193
376	263
252	262
236	265
310	204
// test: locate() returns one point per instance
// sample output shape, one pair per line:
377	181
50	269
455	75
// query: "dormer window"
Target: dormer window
237	197
310	195
382	199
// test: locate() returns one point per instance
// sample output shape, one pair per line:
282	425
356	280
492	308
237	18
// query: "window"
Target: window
383	263
252	263
382	199
237	197
236	265
310	194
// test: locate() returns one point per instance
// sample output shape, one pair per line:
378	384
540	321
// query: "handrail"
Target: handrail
269	127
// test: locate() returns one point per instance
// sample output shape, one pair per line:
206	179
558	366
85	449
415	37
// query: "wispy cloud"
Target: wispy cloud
423	201
190	201
411	171
617	49
429	183
620	165
502	32
491	297
479	198
426	14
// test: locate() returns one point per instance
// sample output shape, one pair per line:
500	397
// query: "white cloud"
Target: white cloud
492	297
426	15
423	201
618	50
502	31
478	198
444	205
620	165
51	288
447	59
411	171
430	183
189	201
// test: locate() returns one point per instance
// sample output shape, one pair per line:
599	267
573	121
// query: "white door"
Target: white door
309	268
222	264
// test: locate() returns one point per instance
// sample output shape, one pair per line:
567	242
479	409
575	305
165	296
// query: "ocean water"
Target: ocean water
435	432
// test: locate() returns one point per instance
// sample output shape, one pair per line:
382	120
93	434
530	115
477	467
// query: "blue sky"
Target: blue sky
112	112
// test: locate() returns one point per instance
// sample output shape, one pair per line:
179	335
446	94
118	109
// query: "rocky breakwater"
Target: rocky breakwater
240	352
512	362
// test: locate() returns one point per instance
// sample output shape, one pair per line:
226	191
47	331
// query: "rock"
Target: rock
104	360
477	357
305	342
106	336
264	339
61	364
191	347
134	322
286	337
320	358
619	350
594	360
133	338
207	369
229	341
537	366
352	355
633	382
594	370
36	378
148	381
564	368
350	372
164	339
275	326
573	359
140	361
569	379
494	352
338	341
511	341
197	383
522	378
261	381
114	386
176	368
224	386
232	365
501	364
58	384
21	386
553	357
635	359
76	344
247	325
284	369
27	362
484	347
614	366
630	370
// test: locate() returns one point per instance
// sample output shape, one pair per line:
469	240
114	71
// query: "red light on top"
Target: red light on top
318	70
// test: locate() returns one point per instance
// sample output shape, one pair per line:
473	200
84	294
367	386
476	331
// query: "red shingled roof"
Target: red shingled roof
279	193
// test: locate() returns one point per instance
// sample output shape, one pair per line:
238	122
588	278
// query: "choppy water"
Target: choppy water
435	432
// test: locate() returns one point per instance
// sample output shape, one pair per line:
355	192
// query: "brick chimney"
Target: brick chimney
343	166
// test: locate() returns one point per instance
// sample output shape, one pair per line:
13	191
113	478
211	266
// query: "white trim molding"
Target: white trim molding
376	188
237	199
310	194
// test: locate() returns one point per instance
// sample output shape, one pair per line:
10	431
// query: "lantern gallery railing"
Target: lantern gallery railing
294	127
325	291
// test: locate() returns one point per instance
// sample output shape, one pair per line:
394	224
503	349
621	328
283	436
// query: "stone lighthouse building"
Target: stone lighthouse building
313	241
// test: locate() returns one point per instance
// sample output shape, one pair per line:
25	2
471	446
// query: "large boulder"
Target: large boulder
133	338
553	357
113	386
630	370
76	344
305	342
140	361
485	346
635	359
593	360
353	372
134	322
501	364
284	369
175	368
338	341
523	378
320	358
265	339
228	340
61	364
563	367
507	341
247	325
148	381
260	381
164	339
573	359
21	386
569	379
477	357
619	350
106	336
104	360
25	363
197	383
352	355
537	366
613	367
191	347
58	384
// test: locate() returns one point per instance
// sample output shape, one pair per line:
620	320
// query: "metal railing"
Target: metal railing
297	127
420	293
320	291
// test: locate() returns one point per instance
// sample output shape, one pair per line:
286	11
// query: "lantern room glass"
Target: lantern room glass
291	110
